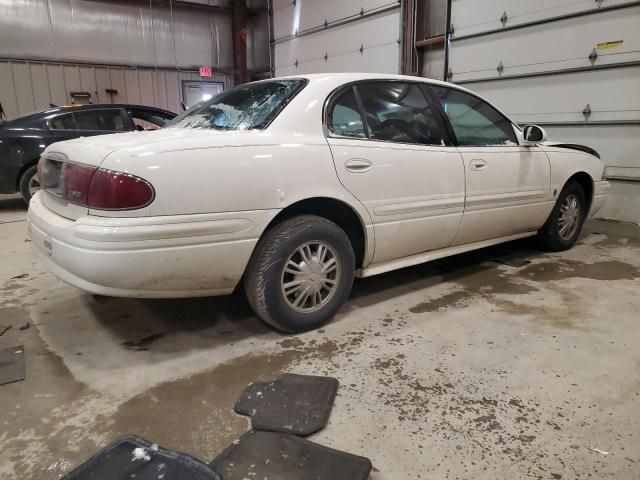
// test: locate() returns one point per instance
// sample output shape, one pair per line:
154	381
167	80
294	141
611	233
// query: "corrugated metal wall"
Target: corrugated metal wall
142	48
140	33
29	86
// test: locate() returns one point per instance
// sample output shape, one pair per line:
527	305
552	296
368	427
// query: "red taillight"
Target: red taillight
94	187
111	190
76	183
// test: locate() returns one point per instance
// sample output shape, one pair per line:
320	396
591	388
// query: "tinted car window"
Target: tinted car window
147	120
345	119
111	120
399	112
474	121
63	122
248	106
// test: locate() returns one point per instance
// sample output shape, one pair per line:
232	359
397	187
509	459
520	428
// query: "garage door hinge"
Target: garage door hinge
326	56
504	18
587	112
599	2
500	68
361	49
450	74
593	56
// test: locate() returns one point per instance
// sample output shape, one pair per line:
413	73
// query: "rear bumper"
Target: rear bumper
600	194
150	257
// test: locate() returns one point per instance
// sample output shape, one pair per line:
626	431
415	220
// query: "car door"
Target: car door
391	151
507	185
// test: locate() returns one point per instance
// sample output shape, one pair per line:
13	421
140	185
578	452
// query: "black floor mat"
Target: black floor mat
297	404
134	458
278	456
11	365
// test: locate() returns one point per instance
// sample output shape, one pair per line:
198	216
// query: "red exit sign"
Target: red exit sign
205	71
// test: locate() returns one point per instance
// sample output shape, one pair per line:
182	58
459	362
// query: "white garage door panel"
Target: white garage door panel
284	23
554	46
612	94
315	12
378	35
468	19
309	14
618	145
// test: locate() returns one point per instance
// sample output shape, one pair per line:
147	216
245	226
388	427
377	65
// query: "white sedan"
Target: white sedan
295	185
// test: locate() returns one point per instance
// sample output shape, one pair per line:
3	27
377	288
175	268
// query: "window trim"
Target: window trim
450	129
123	113
333	96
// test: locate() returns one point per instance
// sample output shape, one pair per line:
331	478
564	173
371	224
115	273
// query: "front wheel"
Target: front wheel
29	183
564	224
300	274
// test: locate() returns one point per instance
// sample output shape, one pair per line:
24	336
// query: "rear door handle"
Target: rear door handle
358	165
478	164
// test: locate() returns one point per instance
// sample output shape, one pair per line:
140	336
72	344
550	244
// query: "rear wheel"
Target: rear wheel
300	274
29	183
564	225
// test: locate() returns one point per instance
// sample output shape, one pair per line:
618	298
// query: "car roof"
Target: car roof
42	114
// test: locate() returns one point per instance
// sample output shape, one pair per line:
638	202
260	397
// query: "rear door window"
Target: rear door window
108	120
399	112
63	122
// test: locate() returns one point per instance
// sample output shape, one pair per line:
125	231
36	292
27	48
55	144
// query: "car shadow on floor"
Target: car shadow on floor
148	324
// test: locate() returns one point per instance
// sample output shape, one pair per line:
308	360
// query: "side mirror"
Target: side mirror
533	135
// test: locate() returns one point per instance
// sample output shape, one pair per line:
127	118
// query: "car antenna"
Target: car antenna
184	106
52	105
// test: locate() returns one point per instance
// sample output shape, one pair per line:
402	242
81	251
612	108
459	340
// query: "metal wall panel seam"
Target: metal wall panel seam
545	20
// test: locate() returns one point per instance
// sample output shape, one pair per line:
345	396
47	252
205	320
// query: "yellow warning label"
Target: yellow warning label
609	45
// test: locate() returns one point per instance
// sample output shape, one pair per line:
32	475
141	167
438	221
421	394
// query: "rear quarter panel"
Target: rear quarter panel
233	178
18	150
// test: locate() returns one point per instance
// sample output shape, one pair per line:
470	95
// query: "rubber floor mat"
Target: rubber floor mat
298	404
279	456
11	365
131	457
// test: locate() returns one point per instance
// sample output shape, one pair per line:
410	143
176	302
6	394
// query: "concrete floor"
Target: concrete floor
461	368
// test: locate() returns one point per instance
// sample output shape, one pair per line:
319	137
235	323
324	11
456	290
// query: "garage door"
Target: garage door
313	36
572	66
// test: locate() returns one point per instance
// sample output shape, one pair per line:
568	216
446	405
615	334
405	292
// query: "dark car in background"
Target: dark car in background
23	139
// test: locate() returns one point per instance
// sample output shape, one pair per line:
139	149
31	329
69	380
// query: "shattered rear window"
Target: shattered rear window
250	106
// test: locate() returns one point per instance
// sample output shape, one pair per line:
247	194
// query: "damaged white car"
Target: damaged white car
293	186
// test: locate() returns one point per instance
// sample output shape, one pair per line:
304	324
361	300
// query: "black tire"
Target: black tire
550	237
26	177
265	274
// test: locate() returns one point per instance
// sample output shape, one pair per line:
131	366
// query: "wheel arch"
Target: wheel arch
586	182
339	212
23	169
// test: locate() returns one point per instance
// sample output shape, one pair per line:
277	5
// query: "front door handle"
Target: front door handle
358	165
478	164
